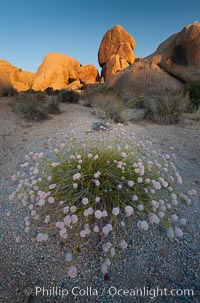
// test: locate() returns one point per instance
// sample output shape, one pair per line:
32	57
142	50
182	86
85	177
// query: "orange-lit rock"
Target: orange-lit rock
21	80
56	71
74	85
180	54
113	66
143	77
116	42
88	74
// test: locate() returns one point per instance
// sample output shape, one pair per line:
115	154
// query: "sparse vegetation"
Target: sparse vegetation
163	107
31	107
53	105
107	105
36	106
49	91
166	107
193	90
136	102
8	92
68	96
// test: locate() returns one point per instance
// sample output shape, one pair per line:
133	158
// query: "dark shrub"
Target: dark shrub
30	91
49	91
8	92
68	96
193	90
53	105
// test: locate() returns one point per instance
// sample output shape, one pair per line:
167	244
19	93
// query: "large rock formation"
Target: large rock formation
143	77
175	62
116	51
56	71
5	84
21	80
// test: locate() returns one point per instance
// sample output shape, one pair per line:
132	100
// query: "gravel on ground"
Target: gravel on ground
152	260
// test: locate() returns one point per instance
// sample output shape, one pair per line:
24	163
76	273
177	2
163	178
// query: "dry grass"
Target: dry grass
166	107
107	105
35	107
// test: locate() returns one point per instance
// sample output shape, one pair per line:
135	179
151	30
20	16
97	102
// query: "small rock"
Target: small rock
134	114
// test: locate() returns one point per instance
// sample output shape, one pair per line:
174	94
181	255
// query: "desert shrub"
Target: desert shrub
98	90
40	96
8	92
30	106
136	102
52	106
30	91
193	90
56	92
104	90
49	91
68	96
166	107
108	106
91	191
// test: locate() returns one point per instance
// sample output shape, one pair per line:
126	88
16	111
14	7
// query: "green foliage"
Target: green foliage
68	96
110	177
193	90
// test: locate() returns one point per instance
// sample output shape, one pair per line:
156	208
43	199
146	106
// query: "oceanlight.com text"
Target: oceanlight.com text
55	291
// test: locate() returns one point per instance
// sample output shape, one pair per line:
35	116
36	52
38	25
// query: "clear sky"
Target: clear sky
31	29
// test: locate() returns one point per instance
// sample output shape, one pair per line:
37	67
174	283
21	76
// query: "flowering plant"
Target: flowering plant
92	189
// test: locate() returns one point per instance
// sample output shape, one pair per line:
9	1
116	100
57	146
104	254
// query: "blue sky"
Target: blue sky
31	29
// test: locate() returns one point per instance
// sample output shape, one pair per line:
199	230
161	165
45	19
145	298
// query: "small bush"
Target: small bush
166	107
68	96
8	92
53	105
136	102
30	106
91	191
30	91
49	91
107	106
193	90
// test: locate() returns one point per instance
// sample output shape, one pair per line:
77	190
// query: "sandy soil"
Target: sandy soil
17	137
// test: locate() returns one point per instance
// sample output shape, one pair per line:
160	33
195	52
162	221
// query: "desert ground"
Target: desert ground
153	260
